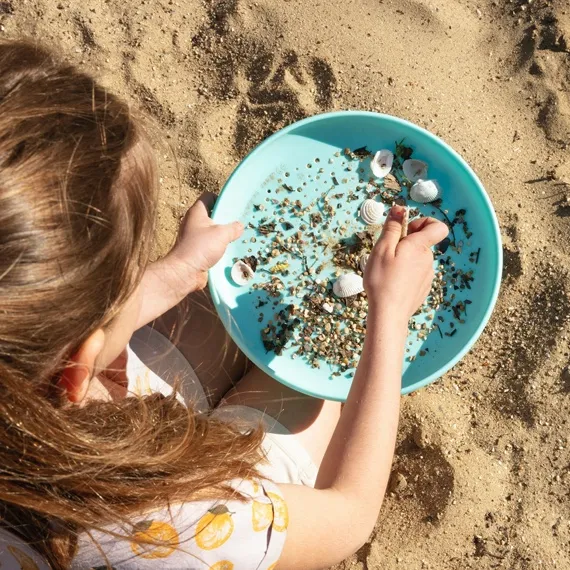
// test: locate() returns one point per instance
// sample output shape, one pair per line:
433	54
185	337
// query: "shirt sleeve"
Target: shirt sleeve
202	535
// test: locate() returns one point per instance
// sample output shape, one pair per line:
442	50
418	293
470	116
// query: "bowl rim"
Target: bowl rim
437	140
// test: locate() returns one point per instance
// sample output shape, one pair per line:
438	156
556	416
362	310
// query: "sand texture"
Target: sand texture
482	473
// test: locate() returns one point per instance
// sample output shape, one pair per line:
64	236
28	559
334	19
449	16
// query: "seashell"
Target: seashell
250	260
382	162
415	170
391	183
242	273
371	212
425	191
348	285
363	261
327	307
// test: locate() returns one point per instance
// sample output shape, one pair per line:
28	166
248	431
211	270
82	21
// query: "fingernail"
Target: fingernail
397	213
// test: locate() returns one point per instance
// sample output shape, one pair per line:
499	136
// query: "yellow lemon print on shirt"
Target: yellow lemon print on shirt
273	566
261	513
214	528
151	531
26	562
281	514
222	565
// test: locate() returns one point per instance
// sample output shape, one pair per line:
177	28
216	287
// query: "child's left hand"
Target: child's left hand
201	242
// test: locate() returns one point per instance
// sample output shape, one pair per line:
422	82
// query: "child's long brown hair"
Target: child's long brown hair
77	204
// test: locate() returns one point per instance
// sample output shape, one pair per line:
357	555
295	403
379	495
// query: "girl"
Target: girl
102	462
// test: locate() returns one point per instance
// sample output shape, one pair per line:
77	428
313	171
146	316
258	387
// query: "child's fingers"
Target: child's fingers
203	205
416	225
419	223
427	231
392	230
232	231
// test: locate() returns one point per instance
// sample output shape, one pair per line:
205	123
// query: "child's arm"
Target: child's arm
330	522
200	245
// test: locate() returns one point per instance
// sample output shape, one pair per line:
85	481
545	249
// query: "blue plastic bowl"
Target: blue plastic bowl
290	151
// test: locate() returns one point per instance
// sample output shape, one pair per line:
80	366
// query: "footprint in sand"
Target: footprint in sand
266	85
86	35
6	8
294	88
531	331
513	267
441	476
545	50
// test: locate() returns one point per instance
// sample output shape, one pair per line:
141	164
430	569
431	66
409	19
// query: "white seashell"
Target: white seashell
415	170
348	285
241	273
425	191
382	163
327	307
371	212
363	261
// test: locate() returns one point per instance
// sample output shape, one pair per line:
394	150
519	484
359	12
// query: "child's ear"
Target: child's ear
76	376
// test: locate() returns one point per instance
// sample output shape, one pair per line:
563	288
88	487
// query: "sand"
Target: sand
482	470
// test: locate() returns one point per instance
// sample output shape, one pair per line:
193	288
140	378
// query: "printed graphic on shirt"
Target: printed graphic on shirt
159	539
214	528
262	513
281	520
222	565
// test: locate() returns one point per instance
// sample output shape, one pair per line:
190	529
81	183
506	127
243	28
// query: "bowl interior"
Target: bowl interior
285	156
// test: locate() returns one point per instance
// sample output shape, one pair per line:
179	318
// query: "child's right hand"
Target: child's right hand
399	273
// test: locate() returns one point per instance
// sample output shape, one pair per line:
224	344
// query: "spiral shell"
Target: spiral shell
425	191
348	285
382	162
415	170
371	212
241	273
363	261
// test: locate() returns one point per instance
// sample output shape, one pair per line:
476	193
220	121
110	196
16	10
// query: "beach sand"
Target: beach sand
482	471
